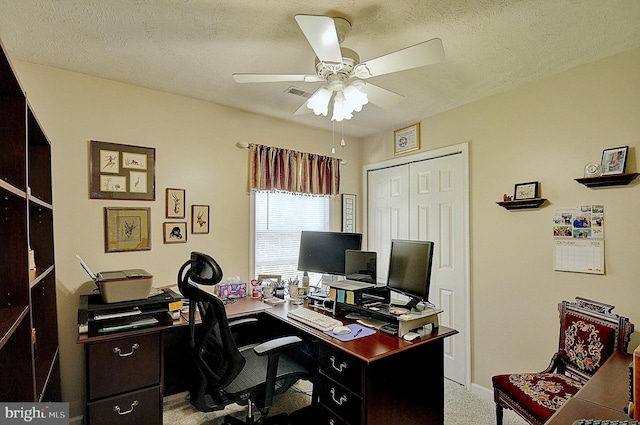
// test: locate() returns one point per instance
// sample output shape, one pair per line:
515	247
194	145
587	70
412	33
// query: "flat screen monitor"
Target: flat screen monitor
360	265
324	252
410	269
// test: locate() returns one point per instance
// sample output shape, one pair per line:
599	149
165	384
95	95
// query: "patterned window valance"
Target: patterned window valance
287	170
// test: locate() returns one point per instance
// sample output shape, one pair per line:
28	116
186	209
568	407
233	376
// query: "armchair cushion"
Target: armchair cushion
538	395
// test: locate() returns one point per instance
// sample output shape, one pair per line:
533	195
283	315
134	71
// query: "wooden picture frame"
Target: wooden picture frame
525	191
406	139
199	219
175	203
127	229
614	160
174	232
124	172
348	213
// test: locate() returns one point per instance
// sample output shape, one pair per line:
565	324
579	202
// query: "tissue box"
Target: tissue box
231	290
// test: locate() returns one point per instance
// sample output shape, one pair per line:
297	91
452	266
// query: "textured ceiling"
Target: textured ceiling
192	47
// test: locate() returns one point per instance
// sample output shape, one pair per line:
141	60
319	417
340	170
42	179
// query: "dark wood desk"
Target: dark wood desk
603	397
376	380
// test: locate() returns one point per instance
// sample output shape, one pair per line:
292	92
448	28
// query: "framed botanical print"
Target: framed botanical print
199	219
175	203
174	232
121	172
127	229
525	191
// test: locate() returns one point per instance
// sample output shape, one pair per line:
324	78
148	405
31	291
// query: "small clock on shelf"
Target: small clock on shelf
592	169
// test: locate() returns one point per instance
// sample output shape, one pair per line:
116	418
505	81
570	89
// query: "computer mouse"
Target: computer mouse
410	336
341	330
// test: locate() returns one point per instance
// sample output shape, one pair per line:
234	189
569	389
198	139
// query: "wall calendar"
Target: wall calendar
578	234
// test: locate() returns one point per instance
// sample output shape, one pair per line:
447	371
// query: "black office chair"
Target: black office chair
224	373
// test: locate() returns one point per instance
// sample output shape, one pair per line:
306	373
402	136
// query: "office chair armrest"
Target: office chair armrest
244	321
553	365
277	345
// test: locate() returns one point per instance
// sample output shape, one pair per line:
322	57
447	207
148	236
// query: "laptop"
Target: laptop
359	270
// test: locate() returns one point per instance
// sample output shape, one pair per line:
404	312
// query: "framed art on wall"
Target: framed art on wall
406	139
121	172
199	219
127	229
174	232
175	203
348	213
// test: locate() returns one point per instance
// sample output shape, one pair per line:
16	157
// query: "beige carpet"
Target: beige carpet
461	407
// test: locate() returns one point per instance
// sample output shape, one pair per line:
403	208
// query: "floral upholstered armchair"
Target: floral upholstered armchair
589	334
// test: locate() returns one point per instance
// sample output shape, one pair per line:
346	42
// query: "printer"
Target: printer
121	285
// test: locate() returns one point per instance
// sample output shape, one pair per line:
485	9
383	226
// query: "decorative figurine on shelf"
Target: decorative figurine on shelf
506	198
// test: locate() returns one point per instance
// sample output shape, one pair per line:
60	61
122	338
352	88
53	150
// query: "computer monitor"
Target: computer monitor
410	269
324	252
360	265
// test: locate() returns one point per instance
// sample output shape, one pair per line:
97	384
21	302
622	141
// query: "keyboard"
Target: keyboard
314	319
605	422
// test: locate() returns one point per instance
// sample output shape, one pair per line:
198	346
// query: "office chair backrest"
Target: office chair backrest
212	343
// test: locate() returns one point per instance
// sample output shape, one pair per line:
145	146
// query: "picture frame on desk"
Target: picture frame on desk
127	229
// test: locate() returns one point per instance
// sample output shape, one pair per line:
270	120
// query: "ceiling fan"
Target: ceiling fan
342	71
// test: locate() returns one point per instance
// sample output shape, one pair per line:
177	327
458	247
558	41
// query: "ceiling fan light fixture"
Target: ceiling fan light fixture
355	98
319	102
341	108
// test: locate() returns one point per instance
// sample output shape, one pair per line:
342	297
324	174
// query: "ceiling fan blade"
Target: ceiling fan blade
425	53
383	98
322	36
303	110
276	78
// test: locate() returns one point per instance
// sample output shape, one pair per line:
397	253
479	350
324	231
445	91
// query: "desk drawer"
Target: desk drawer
338	399
120	365
134	408
343	368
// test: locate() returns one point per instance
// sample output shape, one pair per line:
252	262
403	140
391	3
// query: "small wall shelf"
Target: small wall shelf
608	180
522	204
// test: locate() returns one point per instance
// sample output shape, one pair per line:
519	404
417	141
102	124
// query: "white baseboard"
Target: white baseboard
482	392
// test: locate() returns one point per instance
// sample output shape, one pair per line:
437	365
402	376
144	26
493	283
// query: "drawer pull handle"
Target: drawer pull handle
117	408
339	368
343	398
121	354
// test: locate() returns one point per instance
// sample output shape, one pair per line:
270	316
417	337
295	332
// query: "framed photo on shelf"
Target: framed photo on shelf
614	160
199	219
406	139
123	172
525	191
127	229
174	232
348	213
175	203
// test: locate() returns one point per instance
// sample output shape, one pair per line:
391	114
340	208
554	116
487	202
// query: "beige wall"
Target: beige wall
195	150
543	132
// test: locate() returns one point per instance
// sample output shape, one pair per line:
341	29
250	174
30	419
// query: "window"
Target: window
278	220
